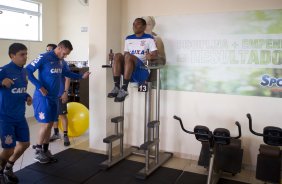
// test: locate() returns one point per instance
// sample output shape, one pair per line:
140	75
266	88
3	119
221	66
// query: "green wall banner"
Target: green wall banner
237	53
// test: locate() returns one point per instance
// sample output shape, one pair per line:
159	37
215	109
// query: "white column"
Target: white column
104	34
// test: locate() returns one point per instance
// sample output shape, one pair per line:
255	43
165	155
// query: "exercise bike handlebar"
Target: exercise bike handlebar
239	130
260	134
251	126
187	131
181	124
190	132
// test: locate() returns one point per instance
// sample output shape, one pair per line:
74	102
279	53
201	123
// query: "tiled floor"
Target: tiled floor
83	143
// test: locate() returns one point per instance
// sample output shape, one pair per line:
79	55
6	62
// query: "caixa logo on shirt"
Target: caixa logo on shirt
18	90
133	52
56	70
268	81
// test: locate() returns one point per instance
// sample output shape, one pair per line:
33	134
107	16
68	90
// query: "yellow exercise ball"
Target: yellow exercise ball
78	119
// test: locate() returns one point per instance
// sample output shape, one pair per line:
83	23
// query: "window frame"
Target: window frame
29	12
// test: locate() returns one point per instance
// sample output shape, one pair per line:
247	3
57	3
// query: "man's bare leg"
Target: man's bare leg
117	68
64	119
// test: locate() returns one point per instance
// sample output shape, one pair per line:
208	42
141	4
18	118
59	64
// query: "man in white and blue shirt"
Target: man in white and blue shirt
139	47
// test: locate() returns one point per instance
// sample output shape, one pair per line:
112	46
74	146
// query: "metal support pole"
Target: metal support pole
110	152
121	124
147	113
157	115
158	96
121	129
116	128
147	160
209	181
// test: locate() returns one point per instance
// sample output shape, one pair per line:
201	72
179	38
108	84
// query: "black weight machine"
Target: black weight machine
220	152
150	148
269	158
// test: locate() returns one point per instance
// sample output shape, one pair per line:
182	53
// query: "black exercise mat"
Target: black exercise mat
226	181
53	180
65	158
193	178
124	173
78	166
163	175
83	169
27	176
73	166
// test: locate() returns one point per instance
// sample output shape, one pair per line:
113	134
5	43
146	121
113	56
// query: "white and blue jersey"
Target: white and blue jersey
13	125
138	46
50	72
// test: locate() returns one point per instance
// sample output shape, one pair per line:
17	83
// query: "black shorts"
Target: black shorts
62	108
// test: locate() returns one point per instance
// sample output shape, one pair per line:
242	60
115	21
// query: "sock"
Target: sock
56	131
45	147
65	133
38	147
9	165
125	84
117	81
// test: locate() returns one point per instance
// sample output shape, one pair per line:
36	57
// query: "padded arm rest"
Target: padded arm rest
117	119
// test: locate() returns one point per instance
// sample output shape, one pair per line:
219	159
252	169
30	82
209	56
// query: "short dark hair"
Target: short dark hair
143	21
16	47
66	43
52	45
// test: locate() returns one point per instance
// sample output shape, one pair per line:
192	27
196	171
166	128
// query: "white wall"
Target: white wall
213	110
72	16
49	20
